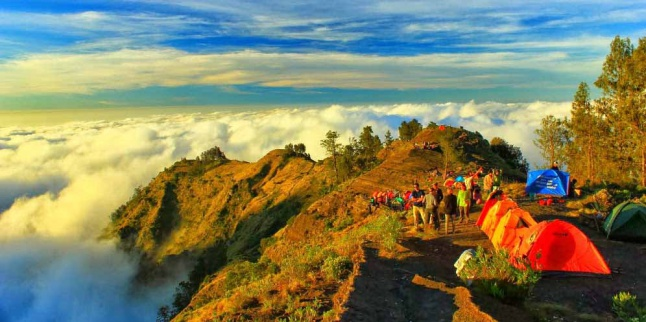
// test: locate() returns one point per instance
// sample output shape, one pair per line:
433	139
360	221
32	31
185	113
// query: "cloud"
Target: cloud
89	281
72	176
103	24
88	73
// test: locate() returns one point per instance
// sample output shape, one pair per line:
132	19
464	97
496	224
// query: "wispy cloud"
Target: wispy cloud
89	22
130	69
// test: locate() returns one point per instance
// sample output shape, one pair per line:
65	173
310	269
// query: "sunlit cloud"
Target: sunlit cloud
88	73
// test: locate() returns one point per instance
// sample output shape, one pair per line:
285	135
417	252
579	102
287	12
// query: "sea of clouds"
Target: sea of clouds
60	183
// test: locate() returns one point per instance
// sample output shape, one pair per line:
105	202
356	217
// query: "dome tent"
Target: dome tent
514	223
548	182
559	247
627	221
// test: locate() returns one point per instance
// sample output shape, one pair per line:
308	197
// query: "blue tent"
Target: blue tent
548	182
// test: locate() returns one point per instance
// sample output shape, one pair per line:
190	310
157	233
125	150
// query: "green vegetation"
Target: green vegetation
493	274
358	156
511	154
212	154
332	148
297	149
605	139
336	267
244	272
408	130
388	139
628	308
552	139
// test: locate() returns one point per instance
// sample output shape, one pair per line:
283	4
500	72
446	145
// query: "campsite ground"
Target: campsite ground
418	282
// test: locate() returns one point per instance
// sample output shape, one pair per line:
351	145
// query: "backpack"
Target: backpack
440	196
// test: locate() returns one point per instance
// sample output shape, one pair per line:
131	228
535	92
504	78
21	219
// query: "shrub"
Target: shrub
493	274
628	308
385	229
336	267
245	272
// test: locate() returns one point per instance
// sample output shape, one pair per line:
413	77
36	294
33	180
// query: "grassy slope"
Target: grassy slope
290	278
192	207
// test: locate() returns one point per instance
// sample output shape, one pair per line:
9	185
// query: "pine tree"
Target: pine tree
552	139
635	115
332	148
585	125
388	138
408	130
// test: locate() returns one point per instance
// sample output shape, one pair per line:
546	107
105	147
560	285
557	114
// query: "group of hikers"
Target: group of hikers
427	146
427	205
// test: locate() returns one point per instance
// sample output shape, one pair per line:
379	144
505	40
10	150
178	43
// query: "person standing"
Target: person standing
468	183
462	203
450	209
438	192
418	206
432	205
487	185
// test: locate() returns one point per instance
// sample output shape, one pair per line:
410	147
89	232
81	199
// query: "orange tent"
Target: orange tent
512	225
495	213
485	209
558	246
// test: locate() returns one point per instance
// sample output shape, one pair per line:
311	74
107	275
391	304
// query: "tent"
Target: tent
558	246
515	223
548	182
627	221
494	215
492	200
485	210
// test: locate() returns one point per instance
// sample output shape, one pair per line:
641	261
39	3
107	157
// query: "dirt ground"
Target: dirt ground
418	282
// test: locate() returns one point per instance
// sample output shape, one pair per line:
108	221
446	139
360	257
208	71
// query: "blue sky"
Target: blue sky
124	53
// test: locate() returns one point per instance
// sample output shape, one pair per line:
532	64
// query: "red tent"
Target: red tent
558	246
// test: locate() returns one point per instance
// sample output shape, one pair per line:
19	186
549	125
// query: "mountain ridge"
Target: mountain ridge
223	213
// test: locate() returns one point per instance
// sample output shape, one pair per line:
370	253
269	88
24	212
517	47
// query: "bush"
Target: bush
336	267
493	274
628	308
385	229
245	272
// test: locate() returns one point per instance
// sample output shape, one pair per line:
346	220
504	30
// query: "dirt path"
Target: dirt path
418	282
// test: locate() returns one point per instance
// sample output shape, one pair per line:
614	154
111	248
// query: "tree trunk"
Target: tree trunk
644	165
336	171
590	160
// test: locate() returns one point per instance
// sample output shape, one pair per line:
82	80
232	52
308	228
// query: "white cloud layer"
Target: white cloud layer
61	182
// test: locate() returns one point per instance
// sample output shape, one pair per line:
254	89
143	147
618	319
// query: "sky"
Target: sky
125	53
98	97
